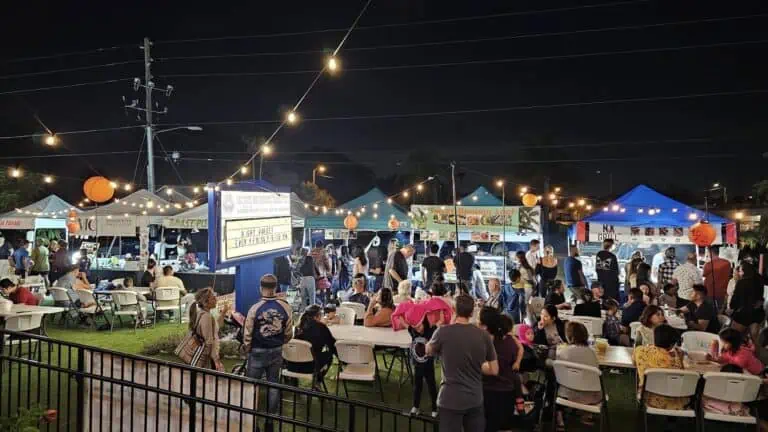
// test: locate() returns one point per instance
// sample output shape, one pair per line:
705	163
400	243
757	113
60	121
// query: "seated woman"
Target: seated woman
403	292
648	296
18	294
670	298
663	354
379	313
550	331
577	351
651	318
312	329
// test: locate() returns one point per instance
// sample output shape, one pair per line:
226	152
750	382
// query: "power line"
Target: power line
490	110
469	41
482	62
38	89
66	155
74	69
413	23
75	132
66	54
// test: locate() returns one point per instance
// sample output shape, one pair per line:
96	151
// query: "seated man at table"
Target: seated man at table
169	280
556	295
670	298
71	281
700	312
358	285
18	294
634	308
590	307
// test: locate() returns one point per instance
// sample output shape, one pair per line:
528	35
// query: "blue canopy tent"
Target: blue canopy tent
481	197
373	219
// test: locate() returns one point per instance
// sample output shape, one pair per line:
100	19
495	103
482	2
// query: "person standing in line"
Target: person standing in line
361	263
479	291
60	262
431	267
667	268
465	263
309	273
268	326
532	256
40	263
282	269
466	353
548	268
389	263
686	276
5	249
574	275
346	265
398	271
717	274
607	267
21	258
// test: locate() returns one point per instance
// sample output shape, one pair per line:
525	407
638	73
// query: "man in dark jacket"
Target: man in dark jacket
282	270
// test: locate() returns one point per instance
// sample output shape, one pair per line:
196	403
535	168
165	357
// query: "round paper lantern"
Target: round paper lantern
73	226
98	189
72	215
350	222
393	224
702	233
530	200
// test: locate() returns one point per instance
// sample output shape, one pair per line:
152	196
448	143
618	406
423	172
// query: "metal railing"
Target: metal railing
95	389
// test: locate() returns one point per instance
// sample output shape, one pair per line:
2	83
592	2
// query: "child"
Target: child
734	351
717	406
611	324
525	334
330	317
423	365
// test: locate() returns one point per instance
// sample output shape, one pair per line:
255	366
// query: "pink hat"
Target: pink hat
522	331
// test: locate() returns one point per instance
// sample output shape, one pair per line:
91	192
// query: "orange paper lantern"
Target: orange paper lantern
350	222
73	226
530	200
72	215
98	189
702	233
393	224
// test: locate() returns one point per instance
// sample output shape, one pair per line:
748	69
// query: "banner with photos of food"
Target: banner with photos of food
642	234
480	220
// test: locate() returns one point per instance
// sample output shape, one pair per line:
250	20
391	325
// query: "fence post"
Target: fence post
351	420
192	404
80	382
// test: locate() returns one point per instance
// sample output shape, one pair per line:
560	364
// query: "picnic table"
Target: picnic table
379	336
22	310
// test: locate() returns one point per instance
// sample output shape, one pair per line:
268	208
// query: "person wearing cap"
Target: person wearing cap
268	326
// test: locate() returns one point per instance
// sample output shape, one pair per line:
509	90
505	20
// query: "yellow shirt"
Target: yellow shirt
170	281
649	357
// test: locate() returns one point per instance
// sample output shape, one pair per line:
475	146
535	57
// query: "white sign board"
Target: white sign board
247	237
108	226
17	223
254	205
639	234
185	223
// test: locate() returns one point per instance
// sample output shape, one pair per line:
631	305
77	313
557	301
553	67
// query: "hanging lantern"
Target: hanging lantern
73	226
72	215
702	233
530	200
98	189
393	224
350	222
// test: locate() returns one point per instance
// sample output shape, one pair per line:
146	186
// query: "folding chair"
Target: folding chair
167	299
357	362
126	303
731	387
359	308
633	326
61	299
594	325
579	377
697	340
95	310
299	351
346	315
670	383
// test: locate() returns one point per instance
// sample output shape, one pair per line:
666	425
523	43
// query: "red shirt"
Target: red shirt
717	285
23	296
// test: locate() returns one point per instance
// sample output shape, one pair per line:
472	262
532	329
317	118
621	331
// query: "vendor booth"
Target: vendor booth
645	220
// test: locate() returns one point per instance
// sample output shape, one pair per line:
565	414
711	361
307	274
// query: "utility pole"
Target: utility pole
148	84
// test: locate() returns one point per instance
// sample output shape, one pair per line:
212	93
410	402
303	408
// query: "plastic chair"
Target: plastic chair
579	377
118	281
27	323
671	383
61	299
167	299
346	315
697	341
96	309
357	362
633	329
535	305
594	325
359	308
299	351
731	387
126	304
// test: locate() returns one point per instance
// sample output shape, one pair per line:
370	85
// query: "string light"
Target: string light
109	216
266	149
582	202
51	140
169	191
389	200
623	210
557	189
217	188
615	207
552	196
499	183
48	179
357	214
674	210
554	202
133	204
640	210
292	118
144	212
375	215
539	197
162	210
375	206
739	215
419	187
589	207
605	209
126	214
229	182
243	170
524	189
177	206
86	200
333	64
571	205
651	212
405	194
113	184
693	216
16	172
196	190
128	186
458	203
474	197
150	204
306	206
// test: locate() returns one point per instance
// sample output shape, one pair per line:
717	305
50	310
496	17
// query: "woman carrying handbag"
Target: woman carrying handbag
200	347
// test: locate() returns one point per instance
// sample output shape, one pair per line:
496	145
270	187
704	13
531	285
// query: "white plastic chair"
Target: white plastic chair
359	308
731	387
61	299
23	323
118	281
594	325
633	326
126	304
357	363
346	315
697	340
579	377
167	299
670	383
96	309
299	351
535	305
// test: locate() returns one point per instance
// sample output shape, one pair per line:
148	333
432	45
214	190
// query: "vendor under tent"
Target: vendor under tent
645	220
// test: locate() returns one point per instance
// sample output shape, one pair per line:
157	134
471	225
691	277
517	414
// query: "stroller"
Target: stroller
534	367
237	321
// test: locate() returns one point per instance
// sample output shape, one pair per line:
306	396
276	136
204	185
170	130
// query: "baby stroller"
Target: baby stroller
237	321
533	367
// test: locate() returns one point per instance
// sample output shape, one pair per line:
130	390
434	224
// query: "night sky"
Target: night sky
543	100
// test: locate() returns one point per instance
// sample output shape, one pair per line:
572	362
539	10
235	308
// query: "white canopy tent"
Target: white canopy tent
49	212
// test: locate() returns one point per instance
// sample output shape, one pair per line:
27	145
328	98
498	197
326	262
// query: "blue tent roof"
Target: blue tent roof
367	222
639	201
484	198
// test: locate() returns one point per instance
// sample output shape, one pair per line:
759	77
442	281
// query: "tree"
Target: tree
310	193
761	191
18	192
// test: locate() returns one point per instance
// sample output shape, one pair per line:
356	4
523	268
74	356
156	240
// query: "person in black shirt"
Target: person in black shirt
312	329
431	267
399	270
282	270
556	295
607	267
590	307
633	309
358	285
465	263
700	312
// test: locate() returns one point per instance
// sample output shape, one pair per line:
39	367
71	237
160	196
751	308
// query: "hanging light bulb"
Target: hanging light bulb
162	210
243	170
615	207
197	189
581	202
693	216
332	64
640	210
589	207
524	189
389	200
229	182
292	118
48	179
16	172
375	215
557	190
405	194
605	209
375	206
571	205
128	186
458	202
51	140
169	191
217	188
419	187
113	184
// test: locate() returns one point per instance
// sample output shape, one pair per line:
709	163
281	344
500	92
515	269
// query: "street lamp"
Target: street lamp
319	169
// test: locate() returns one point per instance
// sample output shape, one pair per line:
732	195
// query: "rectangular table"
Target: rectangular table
379	336
20	309
617	357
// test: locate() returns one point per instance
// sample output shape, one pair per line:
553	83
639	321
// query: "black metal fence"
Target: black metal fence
94	389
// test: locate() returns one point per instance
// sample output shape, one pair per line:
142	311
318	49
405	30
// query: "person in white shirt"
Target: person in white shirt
532	256
687	275
478	285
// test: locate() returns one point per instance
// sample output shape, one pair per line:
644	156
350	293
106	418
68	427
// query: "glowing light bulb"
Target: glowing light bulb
128	186
524	189
243	170
196	189
113	184
419	187
16	172
229	182
405	194
169	191
333	64
50	140
48	179
292	118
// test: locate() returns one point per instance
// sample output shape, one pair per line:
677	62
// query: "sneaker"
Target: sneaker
414	411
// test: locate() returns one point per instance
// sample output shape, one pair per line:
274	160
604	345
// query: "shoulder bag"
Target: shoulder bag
192	349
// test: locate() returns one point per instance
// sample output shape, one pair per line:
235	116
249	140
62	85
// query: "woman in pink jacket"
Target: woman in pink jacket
733	351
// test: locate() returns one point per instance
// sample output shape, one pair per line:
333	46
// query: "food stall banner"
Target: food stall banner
640	234
108	226
483	220
185	223
17	223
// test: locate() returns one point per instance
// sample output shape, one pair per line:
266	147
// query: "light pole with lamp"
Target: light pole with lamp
318	169
151	155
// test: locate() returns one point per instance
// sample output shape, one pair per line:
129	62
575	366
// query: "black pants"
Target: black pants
498	413
467	420
424	372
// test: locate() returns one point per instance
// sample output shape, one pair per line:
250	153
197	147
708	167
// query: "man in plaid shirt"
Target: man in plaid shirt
667	268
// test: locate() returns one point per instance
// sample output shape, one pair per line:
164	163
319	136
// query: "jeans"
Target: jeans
517	306
307	289
424	372
267	362
283	288
472	419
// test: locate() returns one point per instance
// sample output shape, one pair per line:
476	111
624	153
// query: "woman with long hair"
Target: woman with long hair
361	263
380	308
548	267
651	318
312	329
630	271
204	325
747	300
309	273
